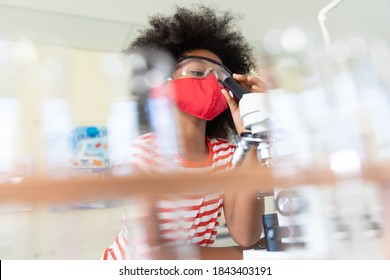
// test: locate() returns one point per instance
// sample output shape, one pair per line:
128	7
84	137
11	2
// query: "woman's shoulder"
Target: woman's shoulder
218	143
146	138
144	144
150	139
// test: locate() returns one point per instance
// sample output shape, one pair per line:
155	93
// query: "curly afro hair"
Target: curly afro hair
200	27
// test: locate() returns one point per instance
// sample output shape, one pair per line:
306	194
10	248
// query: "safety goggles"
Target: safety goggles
200	67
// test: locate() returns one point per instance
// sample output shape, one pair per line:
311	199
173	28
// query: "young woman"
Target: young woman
206	46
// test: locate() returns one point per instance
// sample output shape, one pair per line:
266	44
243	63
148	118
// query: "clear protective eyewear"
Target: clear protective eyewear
200	67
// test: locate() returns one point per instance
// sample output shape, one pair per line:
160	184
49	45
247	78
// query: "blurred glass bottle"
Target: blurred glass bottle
143	136
56	117
300	119
369	61
145	112
9	113
15	57
356	102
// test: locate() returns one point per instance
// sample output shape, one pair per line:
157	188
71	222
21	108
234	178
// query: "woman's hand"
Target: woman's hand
252	84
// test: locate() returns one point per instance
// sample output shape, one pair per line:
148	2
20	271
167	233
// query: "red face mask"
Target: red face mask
201	98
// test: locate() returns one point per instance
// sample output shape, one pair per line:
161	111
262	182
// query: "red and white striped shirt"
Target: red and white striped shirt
193	217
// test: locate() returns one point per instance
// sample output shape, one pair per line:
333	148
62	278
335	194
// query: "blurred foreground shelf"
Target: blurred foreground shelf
44	189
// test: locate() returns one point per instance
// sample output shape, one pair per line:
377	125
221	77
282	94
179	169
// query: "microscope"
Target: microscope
294	224
256	119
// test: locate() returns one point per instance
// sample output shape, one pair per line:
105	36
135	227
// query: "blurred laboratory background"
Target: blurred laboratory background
329	103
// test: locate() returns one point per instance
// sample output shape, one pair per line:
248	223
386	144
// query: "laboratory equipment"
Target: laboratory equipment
256	119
